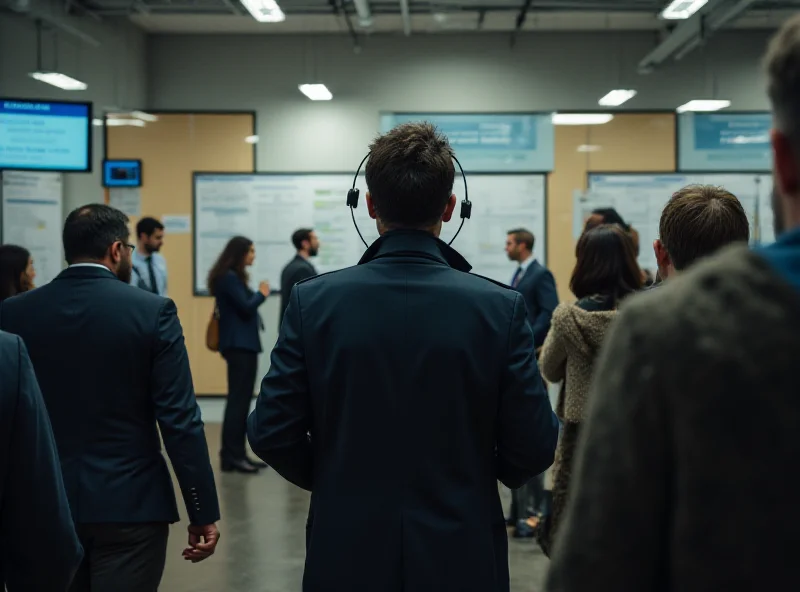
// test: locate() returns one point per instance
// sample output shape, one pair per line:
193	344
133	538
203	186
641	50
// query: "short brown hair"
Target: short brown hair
524	236
700	219
782	65
606	264
410	175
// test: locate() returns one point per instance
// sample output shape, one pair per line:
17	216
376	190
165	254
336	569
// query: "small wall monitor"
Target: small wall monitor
45	135
122	173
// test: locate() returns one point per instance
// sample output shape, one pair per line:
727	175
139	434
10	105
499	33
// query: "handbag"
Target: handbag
212	330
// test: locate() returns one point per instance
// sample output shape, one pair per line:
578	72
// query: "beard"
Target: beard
152	249
124	270
313	252
779	220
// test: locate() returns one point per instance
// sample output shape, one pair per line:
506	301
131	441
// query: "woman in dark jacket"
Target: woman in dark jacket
239	344
16	271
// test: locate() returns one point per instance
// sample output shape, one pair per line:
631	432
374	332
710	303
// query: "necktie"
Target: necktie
515	279
153	284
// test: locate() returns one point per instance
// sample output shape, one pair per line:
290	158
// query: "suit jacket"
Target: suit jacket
239	322
112	364
297	270
34	511
400	391
538	288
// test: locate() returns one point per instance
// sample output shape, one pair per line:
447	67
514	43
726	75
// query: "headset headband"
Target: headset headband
353	194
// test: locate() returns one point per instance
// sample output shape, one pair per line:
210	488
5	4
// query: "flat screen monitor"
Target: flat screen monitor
45	135
122	173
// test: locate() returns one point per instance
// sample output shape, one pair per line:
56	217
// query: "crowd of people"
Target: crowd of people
402	389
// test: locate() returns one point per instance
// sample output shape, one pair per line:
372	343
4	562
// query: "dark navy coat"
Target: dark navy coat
112	365
400	391
239	322
538	288
39	549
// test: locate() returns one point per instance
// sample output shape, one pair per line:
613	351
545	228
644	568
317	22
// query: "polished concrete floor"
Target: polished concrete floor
262	543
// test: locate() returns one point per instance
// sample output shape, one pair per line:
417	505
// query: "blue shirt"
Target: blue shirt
784	256
141	274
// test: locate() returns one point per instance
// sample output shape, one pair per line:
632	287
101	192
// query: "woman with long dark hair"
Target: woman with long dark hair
239	344
16	271
605	273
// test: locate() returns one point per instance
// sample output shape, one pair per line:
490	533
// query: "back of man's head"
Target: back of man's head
698	220
300	235
90	230
410	176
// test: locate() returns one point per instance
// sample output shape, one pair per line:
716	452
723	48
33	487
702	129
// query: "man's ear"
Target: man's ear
115	251
373	213
448	210
662	256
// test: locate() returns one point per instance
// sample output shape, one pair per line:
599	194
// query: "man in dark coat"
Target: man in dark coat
112	365
695	412
34	511
306	242
400	391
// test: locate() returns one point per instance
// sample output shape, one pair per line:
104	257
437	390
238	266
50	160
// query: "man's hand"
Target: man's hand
202	542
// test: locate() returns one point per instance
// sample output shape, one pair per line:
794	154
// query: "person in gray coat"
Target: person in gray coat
685	477
39	548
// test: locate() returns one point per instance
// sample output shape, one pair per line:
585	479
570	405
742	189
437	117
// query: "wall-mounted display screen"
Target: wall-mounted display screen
45	135
122	173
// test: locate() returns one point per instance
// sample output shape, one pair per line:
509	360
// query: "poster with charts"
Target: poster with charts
640	198
268	208
32	218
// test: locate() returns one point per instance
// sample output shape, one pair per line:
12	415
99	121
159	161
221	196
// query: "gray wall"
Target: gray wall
564	71
424	73
115	72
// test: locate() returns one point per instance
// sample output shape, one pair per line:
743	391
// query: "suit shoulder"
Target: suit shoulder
9	344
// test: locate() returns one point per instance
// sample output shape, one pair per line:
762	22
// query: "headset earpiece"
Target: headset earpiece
466	208
352	197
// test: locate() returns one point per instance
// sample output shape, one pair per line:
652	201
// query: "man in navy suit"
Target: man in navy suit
113	369
306	242
39	549
538	288
534	281
400	391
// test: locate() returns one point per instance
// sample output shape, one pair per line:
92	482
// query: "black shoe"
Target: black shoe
238	466
257	463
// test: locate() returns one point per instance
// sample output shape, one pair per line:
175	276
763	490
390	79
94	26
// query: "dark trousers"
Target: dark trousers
242	368
121	557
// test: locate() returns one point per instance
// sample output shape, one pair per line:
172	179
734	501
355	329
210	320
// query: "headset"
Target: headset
353	194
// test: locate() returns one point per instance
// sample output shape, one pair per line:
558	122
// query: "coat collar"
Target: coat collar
86	271
415	243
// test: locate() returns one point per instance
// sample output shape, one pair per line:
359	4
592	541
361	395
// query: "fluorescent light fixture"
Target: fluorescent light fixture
97	122
615	98
682	9
265	11
704	105
149	117
62	81
251	139
589	148
316	92
581	118
118	122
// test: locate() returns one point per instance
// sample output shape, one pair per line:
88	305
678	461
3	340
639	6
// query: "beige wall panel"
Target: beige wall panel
628	143
170	150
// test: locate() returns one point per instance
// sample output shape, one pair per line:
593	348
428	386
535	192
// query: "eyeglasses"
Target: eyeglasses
130	246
